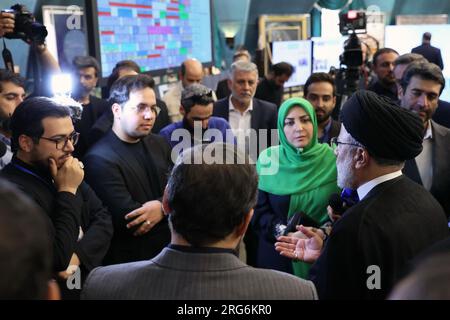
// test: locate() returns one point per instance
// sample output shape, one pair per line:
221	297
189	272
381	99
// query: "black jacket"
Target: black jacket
66	214
393	223
124	184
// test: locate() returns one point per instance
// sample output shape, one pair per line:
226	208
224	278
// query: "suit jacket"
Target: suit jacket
264	116
440	187
123	184
176	275
442	114
432	54
374	240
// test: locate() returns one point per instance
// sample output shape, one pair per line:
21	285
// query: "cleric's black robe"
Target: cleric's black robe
394	222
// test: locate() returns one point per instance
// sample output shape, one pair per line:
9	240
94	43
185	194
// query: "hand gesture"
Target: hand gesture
69	176
146	216
6	23
299	248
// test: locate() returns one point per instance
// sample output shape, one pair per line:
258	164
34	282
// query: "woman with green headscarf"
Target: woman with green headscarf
299	175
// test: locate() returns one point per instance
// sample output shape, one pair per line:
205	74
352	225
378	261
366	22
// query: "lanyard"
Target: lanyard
33	174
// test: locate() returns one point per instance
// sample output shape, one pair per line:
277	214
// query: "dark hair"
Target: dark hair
196	94
423	70
122	65
281	68
209	199
8	76
121	89
25	246
426	36
319	77
380	52
81	62
407	58
28	116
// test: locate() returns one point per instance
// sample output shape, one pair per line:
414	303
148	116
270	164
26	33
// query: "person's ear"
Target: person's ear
182	111
165	203
53	292
361	158
400	92
116	110
244	225
26	143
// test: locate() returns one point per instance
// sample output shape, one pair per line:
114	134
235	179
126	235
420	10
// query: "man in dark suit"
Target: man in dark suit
127	168
422	83
395	219
320	90
251	119
271	87
43	139
86	70
432	54
223	90
208	219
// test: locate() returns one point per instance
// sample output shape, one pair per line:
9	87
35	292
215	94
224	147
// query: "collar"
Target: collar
42	175
368	186
190	249
429	132
232	108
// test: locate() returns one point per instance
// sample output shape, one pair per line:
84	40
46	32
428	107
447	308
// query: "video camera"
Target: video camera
347	79
25	26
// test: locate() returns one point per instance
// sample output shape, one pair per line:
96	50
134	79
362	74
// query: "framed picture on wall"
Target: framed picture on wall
67	37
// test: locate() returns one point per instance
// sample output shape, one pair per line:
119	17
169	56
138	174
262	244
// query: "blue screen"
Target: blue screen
155	34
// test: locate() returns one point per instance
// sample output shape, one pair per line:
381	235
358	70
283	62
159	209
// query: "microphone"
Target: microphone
336	203
3	149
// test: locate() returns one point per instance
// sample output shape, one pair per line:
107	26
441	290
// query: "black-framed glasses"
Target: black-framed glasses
61	143
335	142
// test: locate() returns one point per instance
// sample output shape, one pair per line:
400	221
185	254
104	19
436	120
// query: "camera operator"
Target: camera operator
8	29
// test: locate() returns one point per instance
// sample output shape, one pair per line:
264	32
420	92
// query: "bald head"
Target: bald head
191	72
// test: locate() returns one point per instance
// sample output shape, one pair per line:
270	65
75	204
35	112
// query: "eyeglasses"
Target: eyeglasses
335	142
142	108
61	143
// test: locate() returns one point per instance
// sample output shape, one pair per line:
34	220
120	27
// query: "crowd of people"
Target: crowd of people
249	196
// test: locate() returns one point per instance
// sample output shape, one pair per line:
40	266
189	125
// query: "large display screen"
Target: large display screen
299	54
157	35
326	53
405	37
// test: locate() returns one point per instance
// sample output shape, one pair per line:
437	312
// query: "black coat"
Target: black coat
91	112
432	54
394	222
264	116
440	186
122	183
66	213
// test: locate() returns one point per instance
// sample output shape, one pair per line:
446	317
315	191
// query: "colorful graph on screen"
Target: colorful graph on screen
155	34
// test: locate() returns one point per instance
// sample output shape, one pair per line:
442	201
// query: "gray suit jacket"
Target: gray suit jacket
440	187
174	275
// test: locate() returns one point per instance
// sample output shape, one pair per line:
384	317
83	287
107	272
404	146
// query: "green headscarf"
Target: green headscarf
308	175
299	170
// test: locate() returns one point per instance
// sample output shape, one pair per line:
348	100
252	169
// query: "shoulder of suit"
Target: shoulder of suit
266	104
443	131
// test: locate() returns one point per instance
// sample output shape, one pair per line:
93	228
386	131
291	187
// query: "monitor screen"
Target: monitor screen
326	53
403	38
297	53
157	35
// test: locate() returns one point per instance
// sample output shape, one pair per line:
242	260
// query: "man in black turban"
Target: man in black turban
396	218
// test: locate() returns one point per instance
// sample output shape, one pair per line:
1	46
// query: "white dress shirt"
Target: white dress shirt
424	160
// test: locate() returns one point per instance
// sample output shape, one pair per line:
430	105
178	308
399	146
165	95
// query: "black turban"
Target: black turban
385	129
